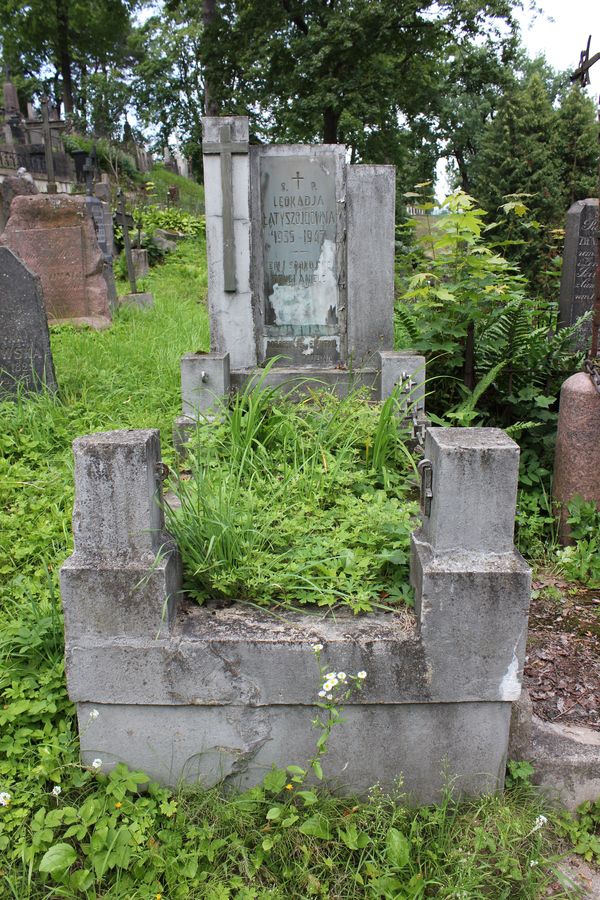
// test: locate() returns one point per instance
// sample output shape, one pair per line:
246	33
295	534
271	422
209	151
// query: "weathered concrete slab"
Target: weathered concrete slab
565	758
220	694
421	744
371	206
205	382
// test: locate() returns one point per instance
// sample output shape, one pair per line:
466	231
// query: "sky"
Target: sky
561	33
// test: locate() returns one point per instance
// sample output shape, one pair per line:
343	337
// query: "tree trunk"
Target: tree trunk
462	168
64	54
330	125
211	107
469	371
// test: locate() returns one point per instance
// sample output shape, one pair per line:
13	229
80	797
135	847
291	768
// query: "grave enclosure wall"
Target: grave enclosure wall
212	695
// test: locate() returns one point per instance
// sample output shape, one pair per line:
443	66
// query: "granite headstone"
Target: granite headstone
580	261
25	357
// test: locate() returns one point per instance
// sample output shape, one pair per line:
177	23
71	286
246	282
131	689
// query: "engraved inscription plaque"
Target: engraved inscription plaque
578	281
59	259
299	232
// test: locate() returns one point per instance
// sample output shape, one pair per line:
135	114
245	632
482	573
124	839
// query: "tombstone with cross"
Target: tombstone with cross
300	251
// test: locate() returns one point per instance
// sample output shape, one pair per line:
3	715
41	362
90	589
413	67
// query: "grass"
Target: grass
99	836
295	503
191	194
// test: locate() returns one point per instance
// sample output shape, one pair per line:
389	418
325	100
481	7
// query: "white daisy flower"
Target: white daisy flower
96	764
362	674
56	790
4	798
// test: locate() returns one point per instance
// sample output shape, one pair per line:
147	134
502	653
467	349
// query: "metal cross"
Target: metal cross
298	178
582	74
226	148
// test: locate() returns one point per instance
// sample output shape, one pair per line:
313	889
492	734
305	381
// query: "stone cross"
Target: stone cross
48	146
225	148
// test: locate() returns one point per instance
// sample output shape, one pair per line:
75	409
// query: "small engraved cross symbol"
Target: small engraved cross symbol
298	178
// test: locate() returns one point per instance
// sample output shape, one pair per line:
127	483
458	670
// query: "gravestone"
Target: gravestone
56	238
15	186
25	357
300	249
580	261
104	233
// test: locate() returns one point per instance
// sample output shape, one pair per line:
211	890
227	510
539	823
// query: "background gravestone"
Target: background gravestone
25	357
56	238
578	281
14	186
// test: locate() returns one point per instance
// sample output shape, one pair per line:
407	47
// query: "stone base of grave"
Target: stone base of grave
566	758
142	299
98	323
212	694
231	692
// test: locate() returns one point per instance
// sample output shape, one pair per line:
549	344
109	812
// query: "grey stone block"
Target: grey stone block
141	299
370	202
427	746
205	382
405	368
117	510
475	474
472	611
102	601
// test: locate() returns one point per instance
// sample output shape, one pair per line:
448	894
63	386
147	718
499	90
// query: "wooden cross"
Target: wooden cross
226	148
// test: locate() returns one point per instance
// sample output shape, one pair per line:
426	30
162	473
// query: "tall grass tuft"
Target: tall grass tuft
297	503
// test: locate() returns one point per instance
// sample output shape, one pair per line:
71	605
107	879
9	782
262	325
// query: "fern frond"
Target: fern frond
406	320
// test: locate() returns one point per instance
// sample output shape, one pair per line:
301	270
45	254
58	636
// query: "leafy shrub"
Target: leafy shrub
152	217
110	157
581	562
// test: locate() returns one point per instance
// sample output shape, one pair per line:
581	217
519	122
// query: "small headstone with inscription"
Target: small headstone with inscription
25	357
56	238
580	261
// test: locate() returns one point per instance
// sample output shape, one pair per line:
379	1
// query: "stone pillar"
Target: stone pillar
140	263
370	200
227	187
406	369
577	458
205	383
472	586
124	575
